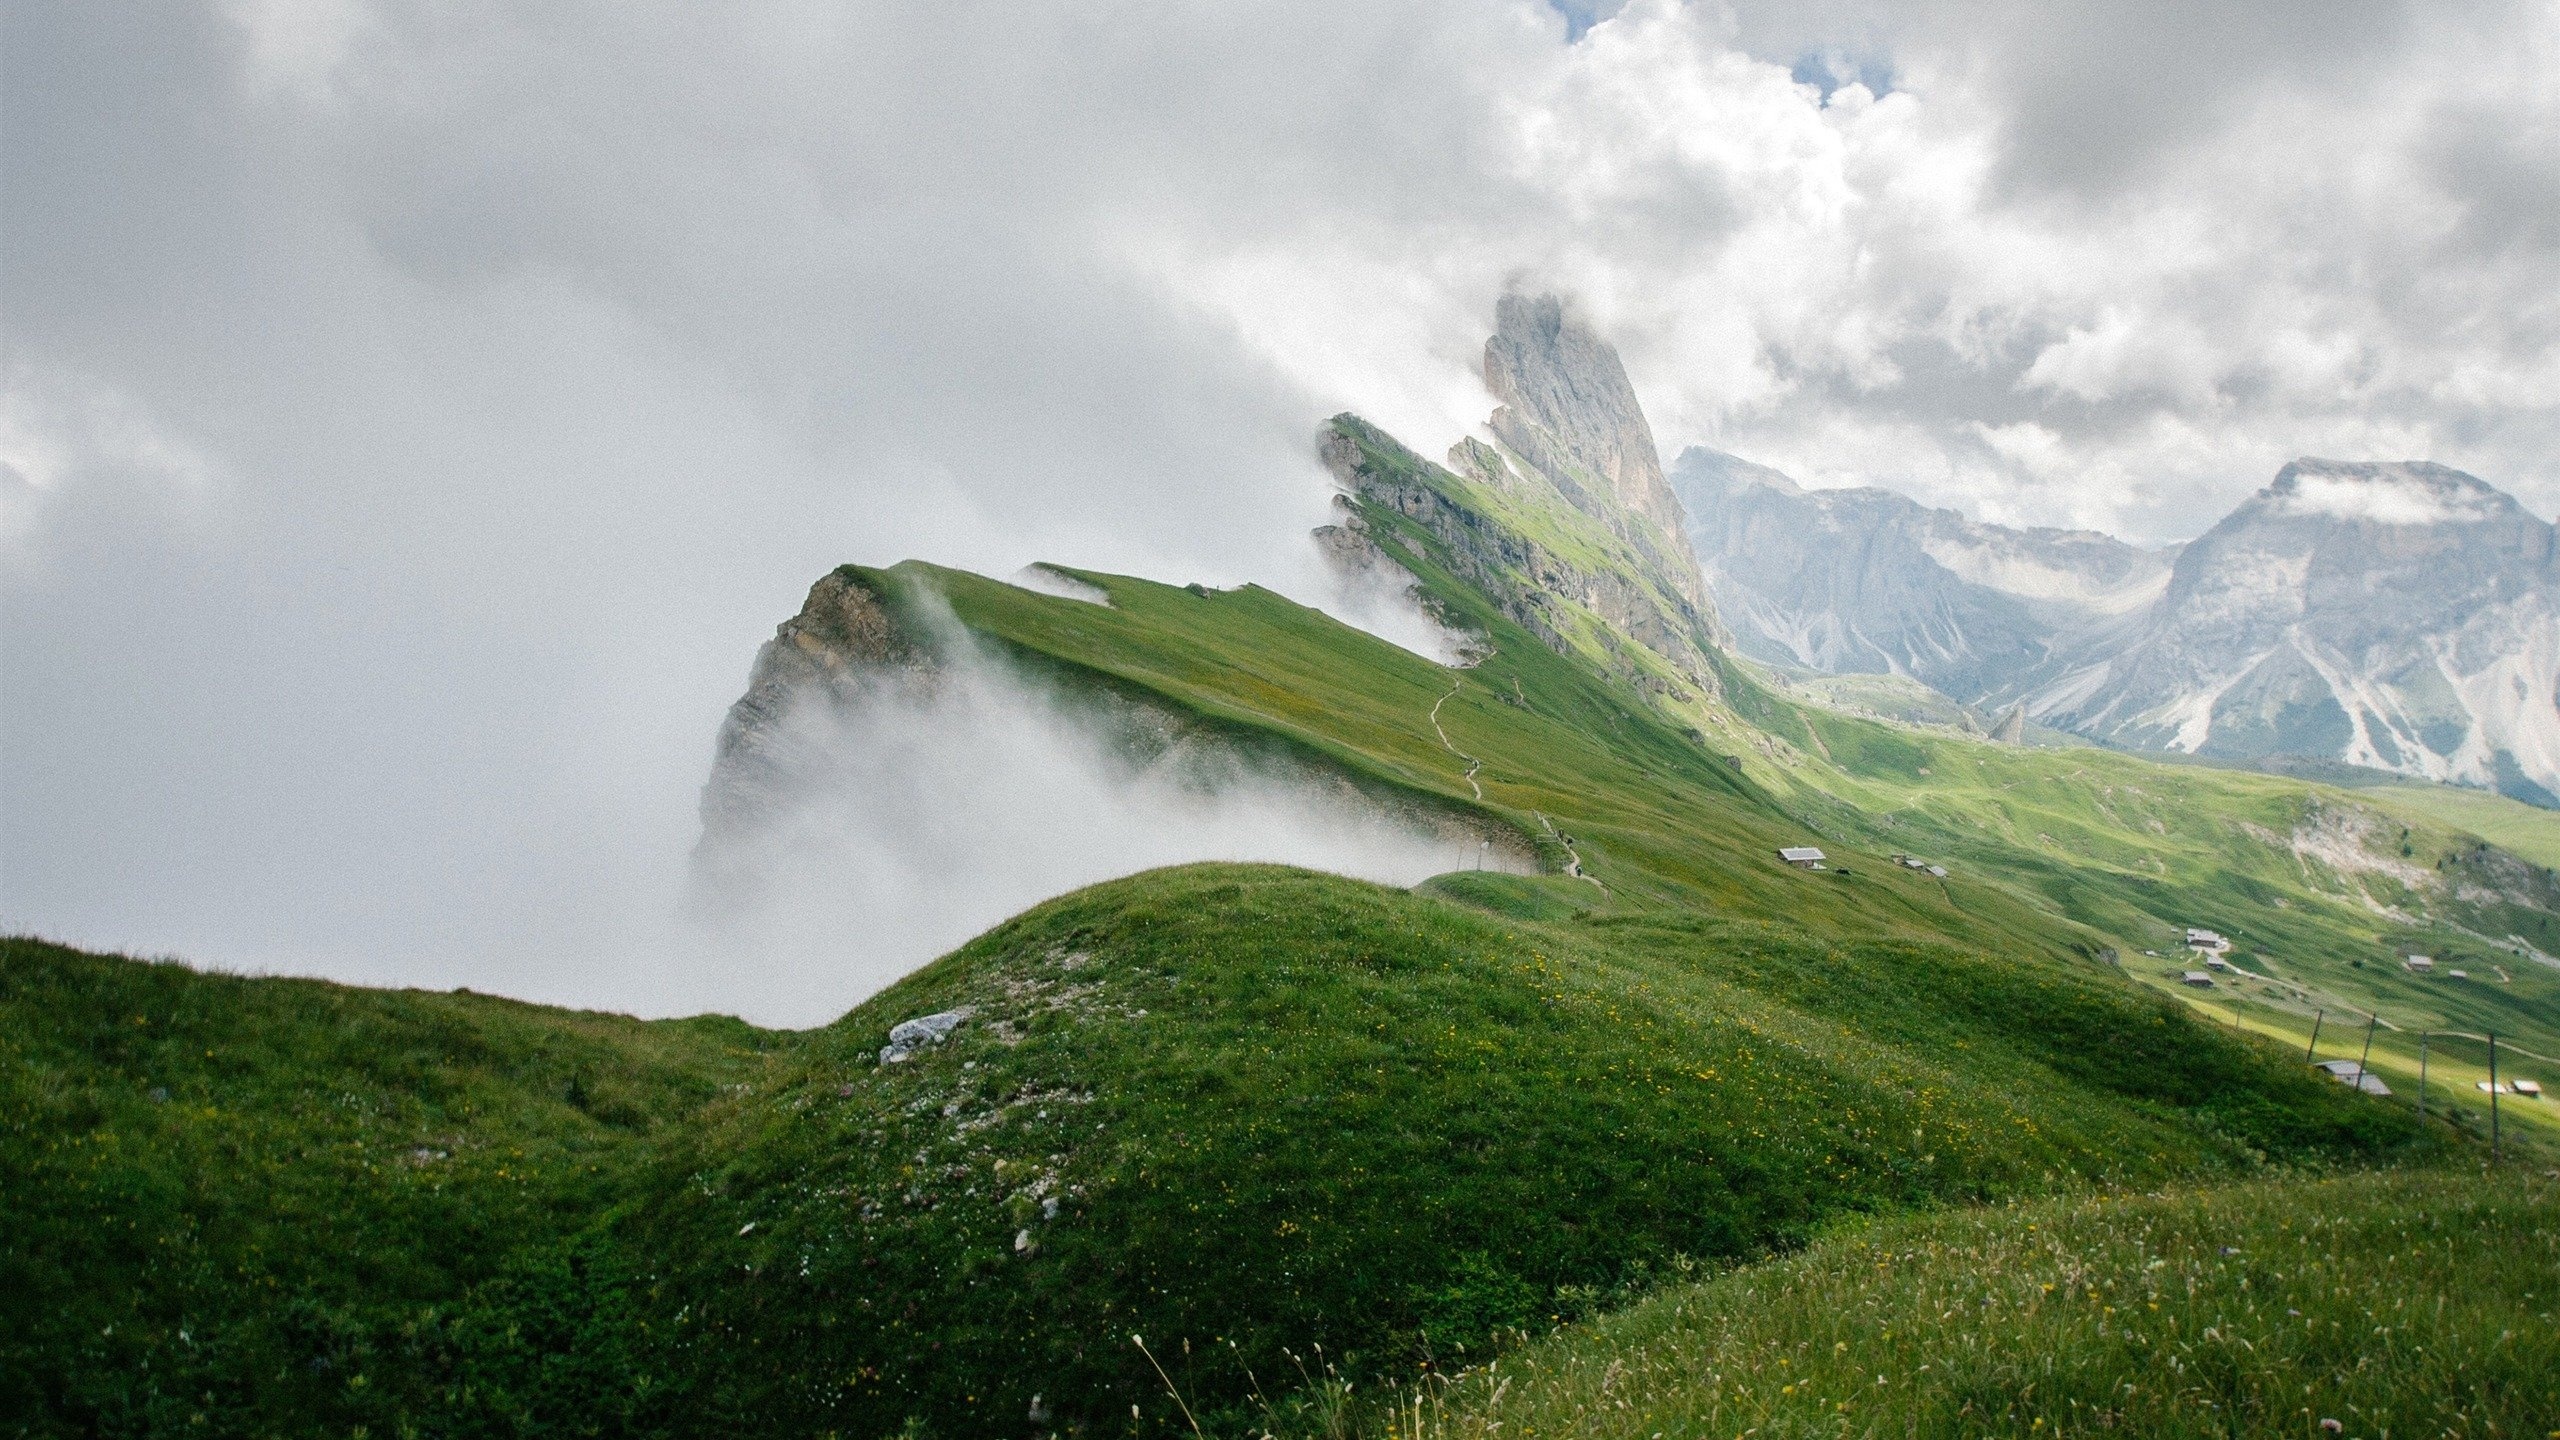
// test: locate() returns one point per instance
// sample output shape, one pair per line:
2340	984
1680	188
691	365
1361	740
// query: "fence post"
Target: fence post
2369	1022
2314	1047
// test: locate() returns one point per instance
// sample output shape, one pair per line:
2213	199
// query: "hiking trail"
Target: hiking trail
1473	764
1572	857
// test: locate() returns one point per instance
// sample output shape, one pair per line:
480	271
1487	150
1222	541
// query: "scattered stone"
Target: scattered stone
908	1036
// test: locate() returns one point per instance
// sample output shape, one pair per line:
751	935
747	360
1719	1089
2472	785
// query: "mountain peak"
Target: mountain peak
1568	414
1565	397
2382	492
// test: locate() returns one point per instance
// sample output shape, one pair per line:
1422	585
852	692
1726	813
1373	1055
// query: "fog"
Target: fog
927	809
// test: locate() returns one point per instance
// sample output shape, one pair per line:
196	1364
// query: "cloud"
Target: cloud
921	814
2379	497
531	360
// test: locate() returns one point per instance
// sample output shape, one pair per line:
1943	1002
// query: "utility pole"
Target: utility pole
2422	1074
2369	1022
2314	1047
2493	1097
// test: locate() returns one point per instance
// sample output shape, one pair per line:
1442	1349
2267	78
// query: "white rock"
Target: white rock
908	1036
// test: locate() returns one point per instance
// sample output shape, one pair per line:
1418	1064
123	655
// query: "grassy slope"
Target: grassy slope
229	1202
1282	1110
2137	851
1275	1108
2409	1304
2054	851
1659	819
2526	830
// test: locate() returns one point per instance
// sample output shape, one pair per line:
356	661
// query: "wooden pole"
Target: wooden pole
2422	1074
2314	1047
2493	1097
2369	1022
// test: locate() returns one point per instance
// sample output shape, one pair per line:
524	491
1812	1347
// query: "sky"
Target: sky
413	415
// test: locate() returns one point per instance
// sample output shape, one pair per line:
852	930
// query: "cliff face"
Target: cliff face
848	635
1568	413
1536	584
876	658
2400	616
1865	581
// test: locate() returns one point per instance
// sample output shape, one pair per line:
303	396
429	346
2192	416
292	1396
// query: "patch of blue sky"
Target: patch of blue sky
1581	15
1829	70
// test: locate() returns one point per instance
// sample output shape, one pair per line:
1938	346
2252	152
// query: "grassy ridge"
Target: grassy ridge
2053	851
2395	1304
1655	815
1237	1109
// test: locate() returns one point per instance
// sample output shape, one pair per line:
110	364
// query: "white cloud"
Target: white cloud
2383	498
530	360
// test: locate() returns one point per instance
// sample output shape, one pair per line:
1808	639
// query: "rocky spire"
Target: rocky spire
1567	409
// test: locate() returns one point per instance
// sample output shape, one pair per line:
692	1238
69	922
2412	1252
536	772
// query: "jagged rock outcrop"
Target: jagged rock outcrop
1568	412
1864	581
1579	527
2400	616
1567	407
850	633
1533	584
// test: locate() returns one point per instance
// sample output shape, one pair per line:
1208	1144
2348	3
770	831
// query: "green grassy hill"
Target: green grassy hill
1242	1110
240	1206
2409	1304
1276	1110
2526	830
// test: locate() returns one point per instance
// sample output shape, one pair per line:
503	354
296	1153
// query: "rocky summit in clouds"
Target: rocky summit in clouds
2400	616
1569	412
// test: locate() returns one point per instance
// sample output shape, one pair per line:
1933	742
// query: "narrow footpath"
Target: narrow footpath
1572	857
1473	764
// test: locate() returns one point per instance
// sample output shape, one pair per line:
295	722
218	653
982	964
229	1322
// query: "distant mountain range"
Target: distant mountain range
2402	616
1868	581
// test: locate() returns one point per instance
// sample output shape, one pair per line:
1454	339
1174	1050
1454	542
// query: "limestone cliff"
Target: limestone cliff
1568	412
849	633
1489	534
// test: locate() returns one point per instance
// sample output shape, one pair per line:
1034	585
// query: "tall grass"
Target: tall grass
2403	1304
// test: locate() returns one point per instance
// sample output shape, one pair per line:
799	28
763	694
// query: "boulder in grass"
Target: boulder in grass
908	1036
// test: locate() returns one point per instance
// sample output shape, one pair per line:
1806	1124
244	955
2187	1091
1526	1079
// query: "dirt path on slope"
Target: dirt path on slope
1572	857
1473	764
